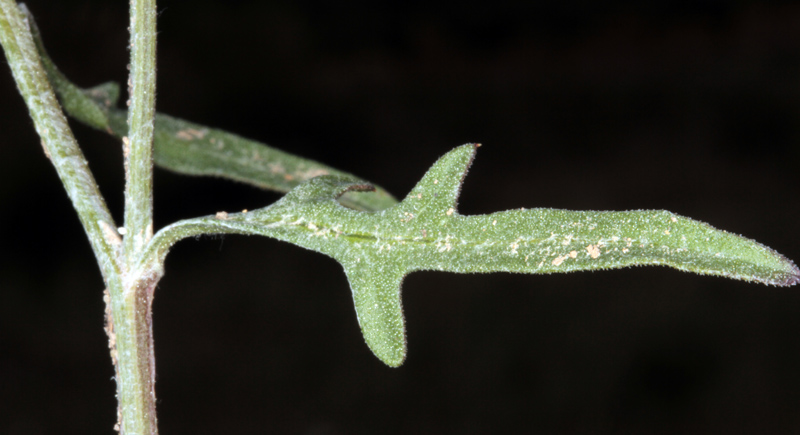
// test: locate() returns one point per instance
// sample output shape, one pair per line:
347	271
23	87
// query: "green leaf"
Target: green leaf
426	232
194	149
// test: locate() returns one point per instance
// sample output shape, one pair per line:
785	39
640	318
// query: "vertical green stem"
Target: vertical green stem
130	329
131	309
138	146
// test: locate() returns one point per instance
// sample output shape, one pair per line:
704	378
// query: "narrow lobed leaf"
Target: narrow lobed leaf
426	232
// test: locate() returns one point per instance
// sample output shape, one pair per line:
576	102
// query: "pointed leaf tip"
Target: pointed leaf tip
794	276
440	187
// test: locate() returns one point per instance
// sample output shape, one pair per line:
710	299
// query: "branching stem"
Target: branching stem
57	140
130	289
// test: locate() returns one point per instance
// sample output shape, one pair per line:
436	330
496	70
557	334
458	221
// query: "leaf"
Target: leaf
426	232
194	149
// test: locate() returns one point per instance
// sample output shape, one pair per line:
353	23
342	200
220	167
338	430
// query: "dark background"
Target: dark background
686	106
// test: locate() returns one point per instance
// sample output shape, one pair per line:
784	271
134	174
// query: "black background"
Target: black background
686	106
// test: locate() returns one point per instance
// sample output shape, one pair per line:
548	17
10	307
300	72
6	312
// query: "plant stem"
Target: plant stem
57	140
131	325
130	280
139	146
130	330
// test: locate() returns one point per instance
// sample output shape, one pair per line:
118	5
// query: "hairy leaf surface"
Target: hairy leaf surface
426	232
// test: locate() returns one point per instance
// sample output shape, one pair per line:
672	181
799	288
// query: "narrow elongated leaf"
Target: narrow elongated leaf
426	232
194	149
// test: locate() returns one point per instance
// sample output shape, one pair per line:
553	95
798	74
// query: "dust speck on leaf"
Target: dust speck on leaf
183	135
221	215
191	133
593	250
311	173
